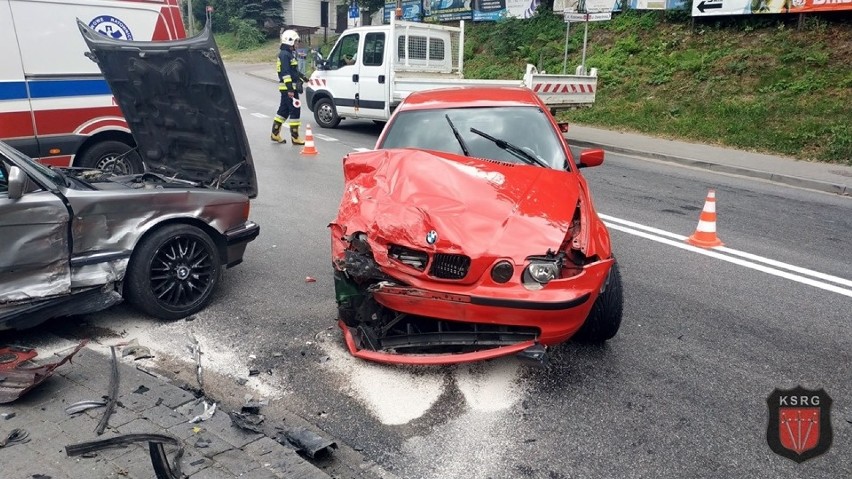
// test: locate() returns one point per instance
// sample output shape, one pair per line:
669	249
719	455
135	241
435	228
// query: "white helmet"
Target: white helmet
289	37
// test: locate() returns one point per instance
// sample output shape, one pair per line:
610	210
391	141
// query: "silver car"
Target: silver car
76	241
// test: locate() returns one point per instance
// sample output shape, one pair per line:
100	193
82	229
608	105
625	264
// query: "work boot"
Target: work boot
294	135
276	133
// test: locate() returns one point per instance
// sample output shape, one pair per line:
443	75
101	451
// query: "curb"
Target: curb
823	186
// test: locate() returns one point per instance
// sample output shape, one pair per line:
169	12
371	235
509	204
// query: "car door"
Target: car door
34	235
373	84
342	73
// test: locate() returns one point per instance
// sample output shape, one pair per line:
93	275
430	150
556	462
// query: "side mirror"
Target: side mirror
589	158
17	182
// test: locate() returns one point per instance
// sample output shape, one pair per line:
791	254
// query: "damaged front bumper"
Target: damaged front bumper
402	324
237	239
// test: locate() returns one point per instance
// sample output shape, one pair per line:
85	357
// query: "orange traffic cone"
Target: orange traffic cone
705	233
309	148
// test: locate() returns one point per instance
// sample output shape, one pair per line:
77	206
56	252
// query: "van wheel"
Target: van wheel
173	272
325	113
110	156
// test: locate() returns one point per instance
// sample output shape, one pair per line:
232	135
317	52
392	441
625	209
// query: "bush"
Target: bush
246	35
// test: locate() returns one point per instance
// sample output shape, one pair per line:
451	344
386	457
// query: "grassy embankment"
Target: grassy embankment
759	85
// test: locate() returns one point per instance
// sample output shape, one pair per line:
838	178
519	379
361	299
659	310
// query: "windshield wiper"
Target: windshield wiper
458	136
513	149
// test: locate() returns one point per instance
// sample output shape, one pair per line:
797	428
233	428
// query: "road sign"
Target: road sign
587	17
353	11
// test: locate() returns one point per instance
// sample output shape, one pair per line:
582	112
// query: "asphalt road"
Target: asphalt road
680	392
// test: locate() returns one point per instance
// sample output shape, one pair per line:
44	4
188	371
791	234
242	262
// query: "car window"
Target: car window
526	127
374	49
4	182
344	52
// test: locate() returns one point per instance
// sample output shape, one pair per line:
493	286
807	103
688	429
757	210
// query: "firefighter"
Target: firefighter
290	84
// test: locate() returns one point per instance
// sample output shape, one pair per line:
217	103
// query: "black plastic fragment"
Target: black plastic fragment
162	468
306	441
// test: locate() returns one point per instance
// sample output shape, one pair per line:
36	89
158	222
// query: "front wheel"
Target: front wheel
605	317
112	156
325	113
173	272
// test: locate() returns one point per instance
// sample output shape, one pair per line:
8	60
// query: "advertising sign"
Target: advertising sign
447	10
803	6
708	8
412	10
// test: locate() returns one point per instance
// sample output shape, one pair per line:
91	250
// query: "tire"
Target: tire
103	156
173	272
605	317
325	113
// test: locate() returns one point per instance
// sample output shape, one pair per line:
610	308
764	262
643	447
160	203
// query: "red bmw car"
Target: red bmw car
469	233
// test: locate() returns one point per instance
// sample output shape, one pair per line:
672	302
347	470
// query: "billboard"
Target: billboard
492	10
412	10
705	8
447	10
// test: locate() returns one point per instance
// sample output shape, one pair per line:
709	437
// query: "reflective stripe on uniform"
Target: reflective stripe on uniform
278	119
295	123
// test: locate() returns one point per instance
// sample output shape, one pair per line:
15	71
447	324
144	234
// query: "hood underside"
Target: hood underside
178	102
477	207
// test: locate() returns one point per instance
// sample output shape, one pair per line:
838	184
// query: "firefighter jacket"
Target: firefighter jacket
289	76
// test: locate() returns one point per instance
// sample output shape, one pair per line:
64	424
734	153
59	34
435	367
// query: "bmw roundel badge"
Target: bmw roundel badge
432	237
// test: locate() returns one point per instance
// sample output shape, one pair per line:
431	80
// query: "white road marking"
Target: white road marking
259	115
742	254
324	138
677	241
241	107
362	149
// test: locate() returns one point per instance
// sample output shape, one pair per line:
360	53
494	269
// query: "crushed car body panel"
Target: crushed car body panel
18	375
179	106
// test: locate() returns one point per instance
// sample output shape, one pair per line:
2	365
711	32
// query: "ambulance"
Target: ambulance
54	104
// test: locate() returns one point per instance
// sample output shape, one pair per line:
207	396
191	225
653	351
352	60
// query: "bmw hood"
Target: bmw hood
178	102
438	202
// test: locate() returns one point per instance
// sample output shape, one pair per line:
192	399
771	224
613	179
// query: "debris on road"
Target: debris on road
310	279
247	421
134	349
254	372
141	390
81	406
15	436
113	394
163	469
306	441
207	414
18	374
8	415
196	355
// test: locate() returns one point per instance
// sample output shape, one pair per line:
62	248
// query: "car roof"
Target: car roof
470	96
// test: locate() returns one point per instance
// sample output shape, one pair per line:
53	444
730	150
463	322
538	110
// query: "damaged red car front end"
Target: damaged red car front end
444	258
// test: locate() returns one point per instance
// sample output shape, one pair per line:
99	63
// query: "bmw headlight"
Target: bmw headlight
543	273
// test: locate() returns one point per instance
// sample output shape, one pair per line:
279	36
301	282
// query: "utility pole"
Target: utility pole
189	16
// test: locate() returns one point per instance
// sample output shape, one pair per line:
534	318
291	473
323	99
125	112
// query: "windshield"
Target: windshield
526	127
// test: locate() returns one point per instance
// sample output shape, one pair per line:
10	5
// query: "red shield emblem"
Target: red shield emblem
799	423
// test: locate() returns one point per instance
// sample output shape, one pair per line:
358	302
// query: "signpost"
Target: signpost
585	17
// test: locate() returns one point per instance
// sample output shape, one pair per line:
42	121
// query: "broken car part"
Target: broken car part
247	421
207	414
306	441
15	436
18	374
196	356
163	468
81	406
134	349
113	393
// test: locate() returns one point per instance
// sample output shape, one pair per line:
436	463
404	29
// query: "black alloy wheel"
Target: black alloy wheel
174	272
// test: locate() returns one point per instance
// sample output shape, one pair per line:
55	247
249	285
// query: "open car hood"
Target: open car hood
177	100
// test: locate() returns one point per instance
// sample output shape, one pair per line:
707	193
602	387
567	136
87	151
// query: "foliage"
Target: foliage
246	35
265	16
753	83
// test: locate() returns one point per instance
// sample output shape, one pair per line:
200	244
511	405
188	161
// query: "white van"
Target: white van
54	103
365	76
